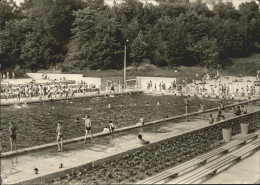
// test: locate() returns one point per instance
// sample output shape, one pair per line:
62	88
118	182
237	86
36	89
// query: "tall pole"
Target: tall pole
125	67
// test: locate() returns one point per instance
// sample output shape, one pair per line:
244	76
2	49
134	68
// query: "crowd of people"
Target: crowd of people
214	88
236	110
221	90
8	75
157	87
43	91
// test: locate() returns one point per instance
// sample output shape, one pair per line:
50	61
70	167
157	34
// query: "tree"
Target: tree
97	41
205	52
9	12
250	25
50	22
139	48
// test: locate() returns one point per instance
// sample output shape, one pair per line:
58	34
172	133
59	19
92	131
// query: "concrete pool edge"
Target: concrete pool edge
76	97
54	144
90	165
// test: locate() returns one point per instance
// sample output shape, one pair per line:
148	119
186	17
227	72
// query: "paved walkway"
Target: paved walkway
246	171
20	168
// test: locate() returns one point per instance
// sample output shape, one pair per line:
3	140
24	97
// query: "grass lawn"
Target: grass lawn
230	67
245	66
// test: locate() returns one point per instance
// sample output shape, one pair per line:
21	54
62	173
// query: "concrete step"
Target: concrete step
207	171
188	166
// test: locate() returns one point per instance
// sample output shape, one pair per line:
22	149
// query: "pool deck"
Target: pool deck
12	101
18	168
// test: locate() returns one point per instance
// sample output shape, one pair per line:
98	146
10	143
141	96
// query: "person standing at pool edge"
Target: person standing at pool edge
111	126
59	132
141	121
87	128
12	131
186	105
211	119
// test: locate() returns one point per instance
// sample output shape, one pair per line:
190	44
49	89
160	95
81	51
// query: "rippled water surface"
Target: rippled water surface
37	123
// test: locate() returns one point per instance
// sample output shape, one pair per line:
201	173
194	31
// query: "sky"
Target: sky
110	2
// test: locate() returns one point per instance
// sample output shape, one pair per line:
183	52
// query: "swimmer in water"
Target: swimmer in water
121	105
132	104
158	103
17	106
109	106
147	104
25	104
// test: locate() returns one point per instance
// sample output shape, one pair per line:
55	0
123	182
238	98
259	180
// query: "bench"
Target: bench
201	174
198	161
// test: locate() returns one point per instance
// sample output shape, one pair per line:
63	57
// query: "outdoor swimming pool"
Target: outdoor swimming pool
37	123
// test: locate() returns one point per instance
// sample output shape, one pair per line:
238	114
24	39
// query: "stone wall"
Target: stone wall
140	163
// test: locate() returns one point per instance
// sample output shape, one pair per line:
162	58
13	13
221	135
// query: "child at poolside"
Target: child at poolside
211	119
111	126
142	141
59	132
237	111
243	109
141	121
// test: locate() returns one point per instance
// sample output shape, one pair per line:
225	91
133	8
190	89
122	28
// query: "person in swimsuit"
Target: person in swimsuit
221	106
243	109
141	121
237	111
111	126
211	119
1	139
59	132
12	131
186	105
142	141
87	127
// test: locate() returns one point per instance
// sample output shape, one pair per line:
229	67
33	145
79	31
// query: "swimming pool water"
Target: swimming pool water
36	124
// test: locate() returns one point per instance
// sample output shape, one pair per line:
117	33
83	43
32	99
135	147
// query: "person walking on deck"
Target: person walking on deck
12	131
88	126
59	132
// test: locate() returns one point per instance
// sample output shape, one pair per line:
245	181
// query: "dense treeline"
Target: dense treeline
80	34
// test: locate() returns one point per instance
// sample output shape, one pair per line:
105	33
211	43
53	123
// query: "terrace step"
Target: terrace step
199	161
205	172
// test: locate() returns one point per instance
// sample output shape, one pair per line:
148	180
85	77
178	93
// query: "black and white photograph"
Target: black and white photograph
129	92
